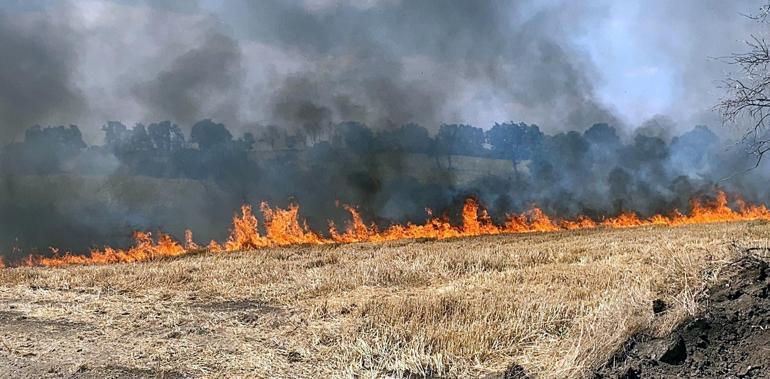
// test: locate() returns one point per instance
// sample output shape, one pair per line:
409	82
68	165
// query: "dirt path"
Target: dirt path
79	334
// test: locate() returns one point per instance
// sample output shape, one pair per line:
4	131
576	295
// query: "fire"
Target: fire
244	234
144	249
580	222
283	227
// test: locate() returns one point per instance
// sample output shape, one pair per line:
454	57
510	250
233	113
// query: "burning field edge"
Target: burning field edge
283	227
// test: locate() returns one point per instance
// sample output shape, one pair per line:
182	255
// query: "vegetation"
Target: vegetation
748	101
392	175
557	304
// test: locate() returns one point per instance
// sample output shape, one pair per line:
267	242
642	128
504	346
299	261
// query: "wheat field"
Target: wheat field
557	304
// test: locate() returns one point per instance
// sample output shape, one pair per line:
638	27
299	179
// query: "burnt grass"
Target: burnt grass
729	339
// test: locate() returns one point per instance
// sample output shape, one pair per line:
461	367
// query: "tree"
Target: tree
271	134
353	136
411	138
58	137
47	150
602	135
691	150
604	144
115	135
139	139
748	91
246	142
516	142
208	134
567	151
646	150
165	136
459	139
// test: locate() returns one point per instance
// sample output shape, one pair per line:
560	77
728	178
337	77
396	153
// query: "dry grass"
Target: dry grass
558	304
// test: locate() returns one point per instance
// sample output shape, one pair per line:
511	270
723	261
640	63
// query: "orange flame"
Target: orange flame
144	249
283	227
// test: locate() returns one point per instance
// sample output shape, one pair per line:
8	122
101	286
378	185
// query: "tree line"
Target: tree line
142	148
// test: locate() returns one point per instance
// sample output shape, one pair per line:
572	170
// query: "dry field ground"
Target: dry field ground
558	304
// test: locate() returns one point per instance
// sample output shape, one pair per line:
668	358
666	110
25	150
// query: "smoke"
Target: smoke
384	63
427	62
388	104
201	82
154	178
38	60
564	65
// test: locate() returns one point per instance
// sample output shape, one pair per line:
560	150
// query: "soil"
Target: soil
58	348
730	339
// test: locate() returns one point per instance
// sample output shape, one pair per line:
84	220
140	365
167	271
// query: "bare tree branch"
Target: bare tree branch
748	90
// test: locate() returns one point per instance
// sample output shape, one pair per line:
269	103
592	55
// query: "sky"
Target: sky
561	64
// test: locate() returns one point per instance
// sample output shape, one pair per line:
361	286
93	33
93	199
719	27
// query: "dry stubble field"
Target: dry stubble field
557	304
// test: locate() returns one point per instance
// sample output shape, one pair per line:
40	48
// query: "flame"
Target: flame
144	249
244	234
189	244
581	222
283	227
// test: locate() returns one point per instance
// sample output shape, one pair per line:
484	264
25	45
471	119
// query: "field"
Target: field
557	304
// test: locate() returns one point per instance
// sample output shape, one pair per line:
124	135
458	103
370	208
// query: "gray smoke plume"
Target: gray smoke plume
387	104
38	58
305	63
202	82
416	61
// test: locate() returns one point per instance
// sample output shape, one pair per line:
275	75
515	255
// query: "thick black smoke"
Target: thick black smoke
57	191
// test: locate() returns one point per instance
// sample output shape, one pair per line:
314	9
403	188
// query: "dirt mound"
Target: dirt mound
731	338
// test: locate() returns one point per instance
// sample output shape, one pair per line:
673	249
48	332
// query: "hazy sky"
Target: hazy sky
559	64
